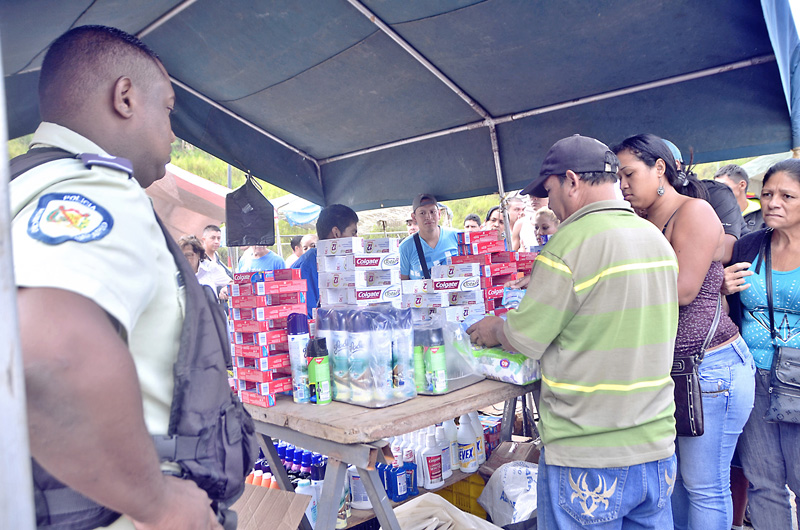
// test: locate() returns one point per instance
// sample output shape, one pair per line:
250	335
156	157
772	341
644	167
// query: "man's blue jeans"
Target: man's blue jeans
702	498
633	497
770	454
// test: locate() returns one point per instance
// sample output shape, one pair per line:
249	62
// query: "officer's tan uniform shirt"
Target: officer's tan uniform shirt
128	271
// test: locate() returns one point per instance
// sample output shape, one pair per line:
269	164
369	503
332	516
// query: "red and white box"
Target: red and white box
381	245
257	313
466	297
254	351
266	276
284	384
372	295
470	283
340	246
416	286
491	304
485	247
352	279
254	376
499	269
363	262
492	293
263	364
257	326
249	302
266	288
478	236
460	270
261	339
504	257
272	312
500	311
480	259
252	397
429	300
526	256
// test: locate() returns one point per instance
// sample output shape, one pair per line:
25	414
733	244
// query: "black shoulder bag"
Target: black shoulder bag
421	255
784	380
688	396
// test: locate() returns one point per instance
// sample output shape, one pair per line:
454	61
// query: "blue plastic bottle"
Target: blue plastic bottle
411	478
400	486
289	457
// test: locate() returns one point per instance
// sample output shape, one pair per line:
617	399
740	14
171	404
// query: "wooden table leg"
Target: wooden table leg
332	491
377	496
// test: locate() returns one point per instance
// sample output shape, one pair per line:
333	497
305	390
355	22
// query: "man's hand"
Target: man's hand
184	506
522	283
487	332
735	275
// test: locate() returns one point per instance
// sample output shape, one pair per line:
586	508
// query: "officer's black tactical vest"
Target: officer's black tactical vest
210	436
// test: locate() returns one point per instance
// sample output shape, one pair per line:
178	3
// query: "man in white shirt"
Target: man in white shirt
212	271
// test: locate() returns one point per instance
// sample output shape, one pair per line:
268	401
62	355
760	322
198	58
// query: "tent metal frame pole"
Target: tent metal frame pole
164	18
16	481
754	61
500	188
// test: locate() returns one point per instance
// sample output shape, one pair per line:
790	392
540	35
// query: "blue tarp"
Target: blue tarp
323	78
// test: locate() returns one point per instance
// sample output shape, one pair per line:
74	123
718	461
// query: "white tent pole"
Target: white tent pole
164	18
16	484
500	188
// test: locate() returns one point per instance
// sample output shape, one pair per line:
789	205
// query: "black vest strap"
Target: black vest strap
421	255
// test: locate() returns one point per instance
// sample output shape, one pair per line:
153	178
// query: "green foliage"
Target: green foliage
18	146
479	205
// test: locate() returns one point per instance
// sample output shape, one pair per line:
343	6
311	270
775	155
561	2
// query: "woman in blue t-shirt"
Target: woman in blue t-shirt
770	451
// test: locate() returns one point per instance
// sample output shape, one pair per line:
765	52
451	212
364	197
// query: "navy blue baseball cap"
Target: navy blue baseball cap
580	154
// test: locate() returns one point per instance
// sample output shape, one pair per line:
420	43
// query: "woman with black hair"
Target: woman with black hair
673	201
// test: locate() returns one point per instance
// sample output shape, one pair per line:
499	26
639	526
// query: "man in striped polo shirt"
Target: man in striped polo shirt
601	314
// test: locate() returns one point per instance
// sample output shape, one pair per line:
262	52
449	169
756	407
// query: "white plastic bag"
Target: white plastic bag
510	495
433	512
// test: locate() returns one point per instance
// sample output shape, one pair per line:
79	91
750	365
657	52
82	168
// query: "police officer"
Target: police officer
99	306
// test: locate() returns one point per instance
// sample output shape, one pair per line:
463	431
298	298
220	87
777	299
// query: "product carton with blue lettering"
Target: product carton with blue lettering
257	352
439	272
266	276
429	300
264	338
352	279
478	236
267	288
469	283
372	295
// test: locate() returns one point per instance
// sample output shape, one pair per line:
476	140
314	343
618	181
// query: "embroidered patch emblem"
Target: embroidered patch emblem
68	217
590	499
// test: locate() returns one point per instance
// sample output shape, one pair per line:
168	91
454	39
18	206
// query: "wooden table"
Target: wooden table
349	434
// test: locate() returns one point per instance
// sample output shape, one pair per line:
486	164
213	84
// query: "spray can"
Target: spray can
420	341
436	361
319	372
298	343
466	445
359	345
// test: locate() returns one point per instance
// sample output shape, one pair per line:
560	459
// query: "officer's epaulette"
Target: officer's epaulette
113	162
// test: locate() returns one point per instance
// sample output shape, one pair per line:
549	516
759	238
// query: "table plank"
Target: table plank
351	424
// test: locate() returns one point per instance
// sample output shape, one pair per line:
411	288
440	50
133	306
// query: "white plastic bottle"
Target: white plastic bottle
466	445
432	456
444	445
358	494
416	437
396	447
451	432
480	441
304	487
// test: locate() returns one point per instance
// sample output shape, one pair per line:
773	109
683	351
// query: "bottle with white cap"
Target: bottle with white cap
432	457
466	445
480	441
304	488
451	432
444	445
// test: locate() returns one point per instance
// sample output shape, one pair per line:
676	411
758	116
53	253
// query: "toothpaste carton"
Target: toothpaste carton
478	236
257	313
254	376
251	397
480	259
381	245
244	302
492	293
270	312
459	313
416	286
264	363
265	288
504	257
526	256
456	270
371	295
470	283
283	384
340	246
485	247
266	276
261	339
499	269
331	263
362	262
490	305
257	326
253	351
466	297
329	297
425	300
352	279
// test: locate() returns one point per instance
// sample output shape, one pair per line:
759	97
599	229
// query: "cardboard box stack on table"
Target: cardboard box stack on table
260	303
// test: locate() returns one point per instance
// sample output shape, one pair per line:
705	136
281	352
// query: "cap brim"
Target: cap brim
536	188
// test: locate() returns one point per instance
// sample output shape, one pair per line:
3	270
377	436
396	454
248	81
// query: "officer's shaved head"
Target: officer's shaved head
85	61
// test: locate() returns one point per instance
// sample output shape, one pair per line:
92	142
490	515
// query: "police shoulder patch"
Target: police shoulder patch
61	217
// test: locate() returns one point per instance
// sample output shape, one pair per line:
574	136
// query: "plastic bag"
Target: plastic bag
433	512
439	366
510	495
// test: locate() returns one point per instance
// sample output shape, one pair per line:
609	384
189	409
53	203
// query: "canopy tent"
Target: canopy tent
369	102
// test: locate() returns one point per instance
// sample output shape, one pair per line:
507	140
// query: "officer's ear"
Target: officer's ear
335	233
122	92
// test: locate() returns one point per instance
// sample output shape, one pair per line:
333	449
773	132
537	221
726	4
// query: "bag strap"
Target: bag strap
36	157
766	247
421	255
712	329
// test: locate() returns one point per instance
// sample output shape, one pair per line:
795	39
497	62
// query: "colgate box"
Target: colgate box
245	302
485	247
252	375
480	259
504	257
492	293
416	286
251	397
257	326
363	262
478	236
491	304
371	295
499	269
351	279
261	339
470	283
254	351
340	246
279	384
269	312
265	288
381	245
526	256
459	313
455	270
254	314
425	300
266	276
466	297
263	364
329	297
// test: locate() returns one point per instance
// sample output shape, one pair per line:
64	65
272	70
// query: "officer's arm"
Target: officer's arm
85	410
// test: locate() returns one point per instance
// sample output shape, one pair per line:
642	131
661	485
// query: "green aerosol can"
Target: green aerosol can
319	372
